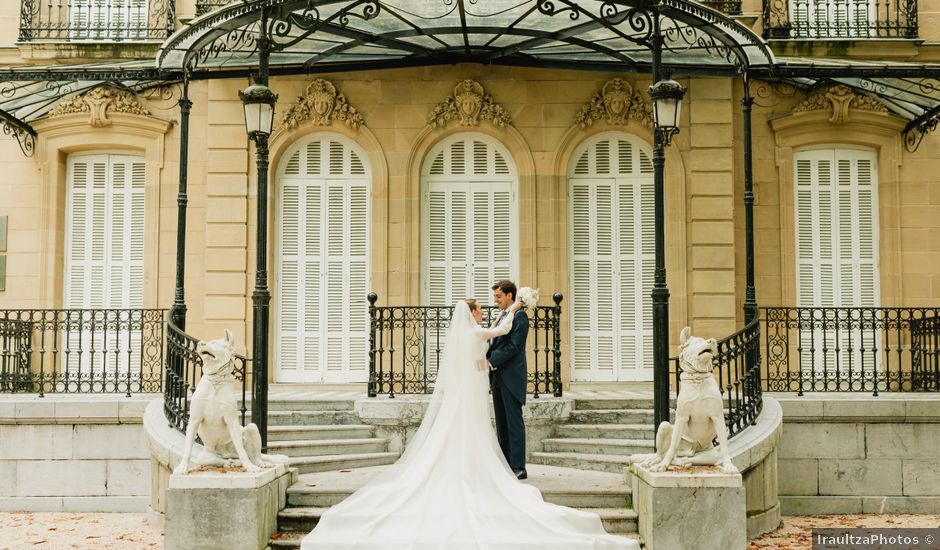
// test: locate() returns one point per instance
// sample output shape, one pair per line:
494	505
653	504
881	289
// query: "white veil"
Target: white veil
457	365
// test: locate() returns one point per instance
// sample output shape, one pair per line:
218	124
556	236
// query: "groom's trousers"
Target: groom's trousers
510	429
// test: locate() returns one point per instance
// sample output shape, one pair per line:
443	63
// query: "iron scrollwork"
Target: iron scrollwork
23	133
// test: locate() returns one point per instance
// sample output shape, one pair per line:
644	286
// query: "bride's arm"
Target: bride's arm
502	329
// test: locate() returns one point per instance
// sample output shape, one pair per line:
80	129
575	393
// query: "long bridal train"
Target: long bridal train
452	488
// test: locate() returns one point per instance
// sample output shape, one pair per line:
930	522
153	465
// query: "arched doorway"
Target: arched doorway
470	225
611	258
323	261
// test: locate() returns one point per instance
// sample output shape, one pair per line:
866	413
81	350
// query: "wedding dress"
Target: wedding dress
452	488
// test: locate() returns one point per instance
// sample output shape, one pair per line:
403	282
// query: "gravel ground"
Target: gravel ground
48	531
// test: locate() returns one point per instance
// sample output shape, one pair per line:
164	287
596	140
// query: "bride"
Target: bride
452	488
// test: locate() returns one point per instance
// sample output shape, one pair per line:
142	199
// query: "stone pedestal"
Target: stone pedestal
698	507
235	511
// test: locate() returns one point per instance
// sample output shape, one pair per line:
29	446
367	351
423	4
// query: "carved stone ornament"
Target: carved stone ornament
618	102
321	103
469	104
98	103
840	99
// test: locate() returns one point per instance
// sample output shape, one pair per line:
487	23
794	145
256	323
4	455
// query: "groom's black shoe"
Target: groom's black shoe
521	474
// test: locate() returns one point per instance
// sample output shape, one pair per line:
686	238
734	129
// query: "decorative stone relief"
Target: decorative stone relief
840	99
618	102
469	104
98	103
321	103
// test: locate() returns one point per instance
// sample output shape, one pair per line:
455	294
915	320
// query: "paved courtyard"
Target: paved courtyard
66	531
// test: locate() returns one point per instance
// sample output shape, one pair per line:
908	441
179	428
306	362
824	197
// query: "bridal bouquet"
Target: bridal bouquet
528	296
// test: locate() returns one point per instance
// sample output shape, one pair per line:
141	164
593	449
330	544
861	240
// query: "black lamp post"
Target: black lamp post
259	103
667	105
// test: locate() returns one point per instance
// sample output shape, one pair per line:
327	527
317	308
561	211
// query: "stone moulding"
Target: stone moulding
469	105
98	103
320	104
839	99
618	103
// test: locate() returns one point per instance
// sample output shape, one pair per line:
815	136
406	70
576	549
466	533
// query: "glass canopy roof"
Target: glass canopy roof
330	35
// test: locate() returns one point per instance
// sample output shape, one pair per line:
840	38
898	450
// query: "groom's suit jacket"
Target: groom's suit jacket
507	355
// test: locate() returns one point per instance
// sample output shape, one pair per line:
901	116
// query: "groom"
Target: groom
508	378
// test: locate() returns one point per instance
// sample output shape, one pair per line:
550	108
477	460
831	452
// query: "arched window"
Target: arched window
611	258
323	262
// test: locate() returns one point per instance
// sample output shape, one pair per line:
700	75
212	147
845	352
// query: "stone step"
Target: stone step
612	416
311	405
304	519
293	433
324	447
600	463
606	431
306	418
613	403
304	495
599	446
307	464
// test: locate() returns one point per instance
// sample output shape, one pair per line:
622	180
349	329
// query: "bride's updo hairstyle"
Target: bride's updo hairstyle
472	303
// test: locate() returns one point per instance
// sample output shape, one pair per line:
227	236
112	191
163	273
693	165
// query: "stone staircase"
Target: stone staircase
322	435
600	434
581	465
607	495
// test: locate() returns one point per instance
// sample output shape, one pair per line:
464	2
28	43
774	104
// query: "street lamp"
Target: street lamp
259	103
667	104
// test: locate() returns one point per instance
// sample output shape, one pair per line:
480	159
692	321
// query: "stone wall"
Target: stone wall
69	453
845	454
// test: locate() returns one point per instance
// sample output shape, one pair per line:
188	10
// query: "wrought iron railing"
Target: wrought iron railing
96	20
406	344
727	7
826	19
840	349
183	371
205	6
738	368
81	350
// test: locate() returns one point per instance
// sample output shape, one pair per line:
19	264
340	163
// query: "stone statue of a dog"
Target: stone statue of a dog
699	414
213	415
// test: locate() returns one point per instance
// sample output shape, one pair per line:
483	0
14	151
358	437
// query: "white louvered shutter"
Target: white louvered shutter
470	220
837	248
105	255
611	203
324	264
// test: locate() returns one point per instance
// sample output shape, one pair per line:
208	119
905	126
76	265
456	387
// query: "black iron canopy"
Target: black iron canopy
330	35
312	36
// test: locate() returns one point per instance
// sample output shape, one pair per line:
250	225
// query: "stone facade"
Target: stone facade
863	454
61	454
540	127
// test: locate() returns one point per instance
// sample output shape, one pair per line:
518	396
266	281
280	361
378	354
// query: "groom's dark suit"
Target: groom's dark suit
507	356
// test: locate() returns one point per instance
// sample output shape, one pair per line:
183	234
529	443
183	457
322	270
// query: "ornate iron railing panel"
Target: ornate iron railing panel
738	368
406	342
183	371
727	7
81	350
827	19
819	349
90	21
205	6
